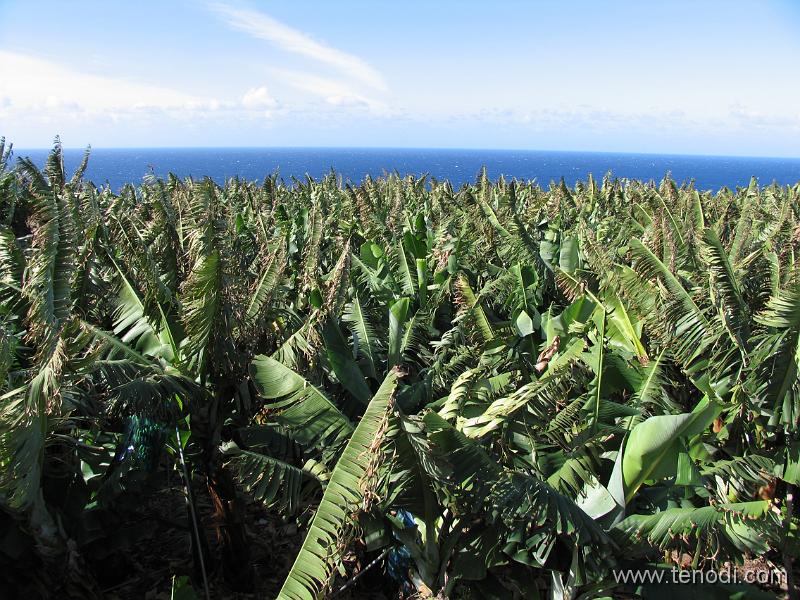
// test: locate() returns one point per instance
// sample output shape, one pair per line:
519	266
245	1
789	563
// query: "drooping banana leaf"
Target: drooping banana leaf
347	492
304	410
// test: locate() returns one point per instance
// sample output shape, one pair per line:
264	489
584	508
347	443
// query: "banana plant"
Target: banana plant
499	390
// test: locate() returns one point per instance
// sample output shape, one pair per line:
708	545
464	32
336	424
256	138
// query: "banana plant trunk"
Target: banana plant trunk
229	508
229	517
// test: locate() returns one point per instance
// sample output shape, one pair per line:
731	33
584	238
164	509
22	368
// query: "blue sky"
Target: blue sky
699	77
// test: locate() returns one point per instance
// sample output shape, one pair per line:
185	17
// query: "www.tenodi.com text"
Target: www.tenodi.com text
768	577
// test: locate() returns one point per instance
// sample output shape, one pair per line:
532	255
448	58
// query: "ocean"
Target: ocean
116	167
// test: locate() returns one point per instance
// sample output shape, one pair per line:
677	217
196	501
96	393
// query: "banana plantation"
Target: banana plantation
396	388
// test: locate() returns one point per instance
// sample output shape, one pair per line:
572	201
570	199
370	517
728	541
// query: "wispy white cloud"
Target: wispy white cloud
745	116
31	83
40	90
262	26
332	91
40	94
597	120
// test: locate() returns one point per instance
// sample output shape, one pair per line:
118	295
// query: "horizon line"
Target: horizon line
423	148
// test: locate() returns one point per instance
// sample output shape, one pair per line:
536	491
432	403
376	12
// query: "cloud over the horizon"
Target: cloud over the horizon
39	90
31	83
258	97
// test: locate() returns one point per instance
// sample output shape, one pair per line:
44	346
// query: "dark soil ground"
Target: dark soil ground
146	545
146	571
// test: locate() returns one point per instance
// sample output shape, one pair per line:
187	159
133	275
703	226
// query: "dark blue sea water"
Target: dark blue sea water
119	166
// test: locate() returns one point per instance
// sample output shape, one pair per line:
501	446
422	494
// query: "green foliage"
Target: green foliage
350	489
547	383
